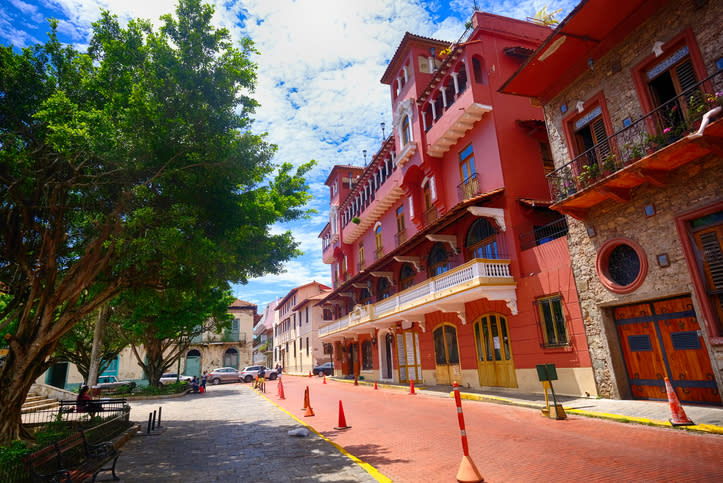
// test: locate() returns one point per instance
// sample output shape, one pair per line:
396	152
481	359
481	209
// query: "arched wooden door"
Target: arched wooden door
446	351
494	354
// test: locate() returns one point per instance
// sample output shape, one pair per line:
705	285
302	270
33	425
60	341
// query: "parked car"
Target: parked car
224	374
249	373
111	383
326	368
171	377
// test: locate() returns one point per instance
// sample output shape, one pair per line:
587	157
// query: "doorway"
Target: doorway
387	357
495	364
662	339
410	365
57	375
446	351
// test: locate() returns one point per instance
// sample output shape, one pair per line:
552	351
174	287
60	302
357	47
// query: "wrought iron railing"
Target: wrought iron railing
400	237
666	124
430	216
468	188
543	234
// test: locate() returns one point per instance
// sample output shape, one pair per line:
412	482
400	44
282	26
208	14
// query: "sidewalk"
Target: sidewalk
707	419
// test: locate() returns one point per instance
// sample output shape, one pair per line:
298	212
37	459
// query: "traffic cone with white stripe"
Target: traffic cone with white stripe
468	472
309	411
678	414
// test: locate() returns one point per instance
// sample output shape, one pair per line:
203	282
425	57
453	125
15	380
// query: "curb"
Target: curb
701	428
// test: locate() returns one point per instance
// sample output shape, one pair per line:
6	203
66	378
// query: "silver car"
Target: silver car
224	374
249	373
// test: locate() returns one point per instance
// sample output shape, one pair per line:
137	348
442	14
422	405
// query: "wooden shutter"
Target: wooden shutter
600	136
709	247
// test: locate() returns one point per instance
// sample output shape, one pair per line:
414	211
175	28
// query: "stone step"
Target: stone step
38	402
47	404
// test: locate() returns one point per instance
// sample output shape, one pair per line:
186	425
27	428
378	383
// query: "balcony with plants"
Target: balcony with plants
454	100
676	133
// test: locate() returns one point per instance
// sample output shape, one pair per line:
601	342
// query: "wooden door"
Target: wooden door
662	339
446	353
495	364
409	357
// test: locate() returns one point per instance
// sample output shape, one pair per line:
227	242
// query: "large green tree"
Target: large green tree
131	165
75	346
161	326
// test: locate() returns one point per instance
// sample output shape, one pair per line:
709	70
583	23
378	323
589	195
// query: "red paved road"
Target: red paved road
416	438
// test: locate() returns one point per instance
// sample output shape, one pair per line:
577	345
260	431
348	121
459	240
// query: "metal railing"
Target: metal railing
661	127
430	216
400	237
543	234
468	188
111	408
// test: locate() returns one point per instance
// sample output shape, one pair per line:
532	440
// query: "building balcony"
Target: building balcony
448	292
400	237
430	216
647	150
386	196
468	188
454	123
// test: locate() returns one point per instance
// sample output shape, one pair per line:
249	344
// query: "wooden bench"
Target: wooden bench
93	406
76	458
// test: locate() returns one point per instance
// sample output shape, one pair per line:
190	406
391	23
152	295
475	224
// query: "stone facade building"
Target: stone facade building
623	88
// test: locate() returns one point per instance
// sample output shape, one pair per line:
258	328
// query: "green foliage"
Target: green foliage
131	167
13	453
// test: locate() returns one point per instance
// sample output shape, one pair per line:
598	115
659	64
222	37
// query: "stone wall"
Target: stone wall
693	185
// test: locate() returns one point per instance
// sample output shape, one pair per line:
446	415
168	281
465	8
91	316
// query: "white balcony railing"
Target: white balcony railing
474	273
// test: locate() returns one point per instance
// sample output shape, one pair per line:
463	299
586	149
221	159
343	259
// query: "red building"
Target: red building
633	93
446	264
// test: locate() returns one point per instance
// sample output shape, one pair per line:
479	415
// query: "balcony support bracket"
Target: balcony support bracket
656	177
620	195
498	214
451	239
416	261
388	275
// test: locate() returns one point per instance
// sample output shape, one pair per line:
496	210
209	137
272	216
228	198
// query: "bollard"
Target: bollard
468	472
148	430
153	424
159	416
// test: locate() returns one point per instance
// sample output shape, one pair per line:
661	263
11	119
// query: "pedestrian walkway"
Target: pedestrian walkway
229	434
657	413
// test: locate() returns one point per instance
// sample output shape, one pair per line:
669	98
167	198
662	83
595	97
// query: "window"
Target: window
707	235
668	79
400	219
590	132
307	346
307	314
383	289
294	344
365	297
406	276
478	71
406	133
482	240
621	265
361	256
552	321
328	315
467	173
367	355
438	261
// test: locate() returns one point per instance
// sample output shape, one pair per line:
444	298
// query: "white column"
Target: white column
444	96
424	120
405	69
456	82
434	109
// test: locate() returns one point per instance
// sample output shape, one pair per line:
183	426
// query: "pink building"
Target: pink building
447	264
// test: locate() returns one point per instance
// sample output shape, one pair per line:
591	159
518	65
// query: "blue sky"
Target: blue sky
318	85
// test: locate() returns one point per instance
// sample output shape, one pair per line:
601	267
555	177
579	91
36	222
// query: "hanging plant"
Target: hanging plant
356	220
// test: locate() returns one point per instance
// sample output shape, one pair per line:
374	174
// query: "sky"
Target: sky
319	68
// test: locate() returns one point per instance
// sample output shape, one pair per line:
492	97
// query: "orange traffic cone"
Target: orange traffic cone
468	472
375	386
309	373
679	418
309	411
342	419
324	379
356	382
281	390
306	398
411	387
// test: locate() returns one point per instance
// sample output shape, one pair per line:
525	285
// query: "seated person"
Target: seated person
84	403
194	384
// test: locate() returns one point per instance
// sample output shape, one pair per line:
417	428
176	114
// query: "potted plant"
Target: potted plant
588	174
634	152
609	163
356	220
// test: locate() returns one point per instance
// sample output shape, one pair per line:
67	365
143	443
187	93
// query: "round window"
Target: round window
621	265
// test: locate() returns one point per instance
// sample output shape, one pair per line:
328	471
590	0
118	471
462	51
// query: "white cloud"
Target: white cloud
319	87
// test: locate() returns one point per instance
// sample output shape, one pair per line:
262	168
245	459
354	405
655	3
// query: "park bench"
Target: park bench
78	457
93	406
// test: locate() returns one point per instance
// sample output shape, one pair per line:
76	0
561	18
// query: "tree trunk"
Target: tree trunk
100	324
16	377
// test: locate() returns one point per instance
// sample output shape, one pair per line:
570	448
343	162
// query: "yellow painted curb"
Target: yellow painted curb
376	474
703	428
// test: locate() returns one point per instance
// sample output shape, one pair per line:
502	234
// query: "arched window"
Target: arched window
383	289
482	240
230	358
438	261
478	70
378	240
406	276
193	353
406	131
462	77
367	355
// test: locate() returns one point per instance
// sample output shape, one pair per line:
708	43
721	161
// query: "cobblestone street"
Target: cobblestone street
228	434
